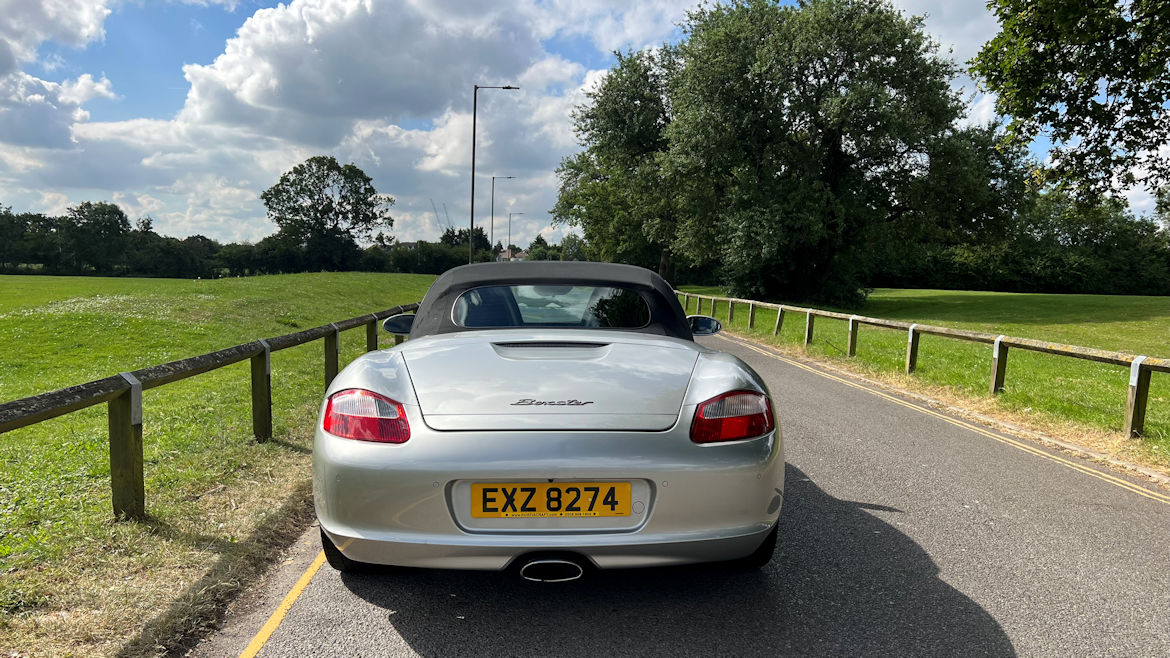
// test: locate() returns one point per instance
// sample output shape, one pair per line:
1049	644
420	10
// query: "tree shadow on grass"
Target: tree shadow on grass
843	582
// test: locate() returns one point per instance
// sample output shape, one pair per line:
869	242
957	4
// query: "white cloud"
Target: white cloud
26	24
962	27
611	24
138	205
39	113
54	203
307	70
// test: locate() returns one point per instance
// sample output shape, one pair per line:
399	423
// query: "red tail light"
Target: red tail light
366	416
732	416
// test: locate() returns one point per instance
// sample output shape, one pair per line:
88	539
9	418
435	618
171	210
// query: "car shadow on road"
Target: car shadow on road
843	582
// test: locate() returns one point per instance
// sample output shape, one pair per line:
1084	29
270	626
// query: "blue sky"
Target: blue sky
185	110
144	50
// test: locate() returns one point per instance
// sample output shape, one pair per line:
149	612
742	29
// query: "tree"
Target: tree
540	249
974	189
1095	74
95	234
14	230
618	190
238	259
572	247
453	237
320	197
594	201
796	133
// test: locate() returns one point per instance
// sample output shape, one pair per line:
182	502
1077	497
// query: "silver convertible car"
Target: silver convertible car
549	418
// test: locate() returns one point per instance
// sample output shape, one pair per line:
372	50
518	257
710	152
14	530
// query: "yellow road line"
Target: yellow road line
257	642
1124	484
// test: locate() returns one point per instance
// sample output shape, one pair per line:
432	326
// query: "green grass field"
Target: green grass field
1054	390
208	482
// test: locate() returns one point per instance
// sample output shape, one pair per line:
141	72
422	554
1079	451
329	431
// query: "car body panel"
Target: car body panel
566	380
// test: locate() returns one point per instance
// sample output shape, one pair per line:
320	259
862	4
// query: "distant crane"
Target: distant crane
437	219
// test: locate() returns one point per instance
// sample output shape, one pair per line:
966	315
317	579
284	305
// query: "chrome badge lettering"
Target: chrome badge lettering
526	402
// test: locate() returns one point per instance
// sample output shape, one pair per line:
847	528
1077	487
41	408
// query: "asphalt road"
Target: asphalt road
904	532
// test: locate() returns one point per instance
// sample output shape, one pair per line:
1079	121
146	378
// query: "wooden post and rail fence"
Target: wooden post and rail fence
123	394
1140	366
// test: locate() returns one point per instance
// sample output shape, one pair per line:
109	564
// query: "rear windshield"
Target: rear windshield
551	306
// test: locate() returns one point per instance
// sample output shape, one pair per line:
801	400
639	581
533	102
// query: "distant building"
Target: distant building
509	255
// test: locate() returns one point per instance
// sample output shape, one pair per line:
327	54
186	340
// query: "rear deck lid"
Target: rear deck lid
498	382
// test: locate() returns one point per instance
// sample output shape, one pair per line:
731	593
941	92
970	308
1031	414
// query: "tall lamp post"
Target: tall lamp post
492	238
474	111
510	226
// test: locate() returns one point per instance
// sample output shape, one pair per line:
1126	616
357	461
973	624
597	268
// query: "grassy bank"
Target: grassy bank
71	580
1078	400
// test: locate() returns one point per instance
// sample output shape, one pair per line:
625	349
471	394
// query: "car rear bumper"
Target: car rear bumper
406	504
496	553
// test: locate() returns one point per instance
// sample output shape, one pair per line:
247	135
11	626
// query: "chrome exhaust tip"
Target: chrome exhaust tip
551	570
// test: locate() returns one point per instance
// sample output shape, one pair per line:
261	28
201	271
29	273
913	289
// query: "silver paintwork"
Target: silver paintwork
409	504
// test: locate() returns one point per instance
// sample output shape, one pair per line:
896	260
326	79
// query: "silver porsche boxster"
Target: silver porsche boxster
549	418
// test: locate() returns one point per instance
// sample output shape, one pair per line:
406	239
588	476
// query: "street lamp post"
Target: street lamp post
474	112
510	227
492	238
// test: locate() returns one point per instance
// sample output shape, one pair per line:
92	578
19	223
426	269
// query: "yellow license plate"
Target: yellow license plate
549	499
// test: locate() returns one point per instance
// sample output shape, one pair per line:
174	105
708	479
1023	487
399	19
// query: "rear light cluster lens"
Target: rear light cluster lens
733	416
366	416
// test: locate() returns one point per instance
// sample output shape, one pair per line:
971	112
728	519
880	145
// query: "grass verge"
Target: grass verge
74	582
1081	402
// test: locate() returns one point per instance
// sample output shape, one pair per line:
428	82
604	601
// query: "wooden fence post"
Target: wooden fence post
126	482
332	349
752	315
779	321
999	354
912	350
808	327
730	311
372	334
852	349
1139	393
262	393
698	305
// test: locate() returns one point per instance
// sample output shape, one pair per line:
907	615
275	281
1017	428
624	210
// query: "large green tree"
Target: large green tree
618	189
322	199
96	234
1095	76
798	130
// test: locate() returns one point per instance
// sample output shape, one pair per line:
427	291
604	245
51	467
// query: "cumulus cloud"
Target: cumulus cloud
962	27
35	112
25	25
306	70
610	24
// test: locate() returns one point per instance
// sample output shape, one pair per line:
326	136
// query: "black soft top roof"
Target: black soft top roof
667	317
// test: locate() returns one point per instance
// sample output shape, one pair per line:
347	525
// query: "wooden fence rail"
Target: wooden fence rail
123	394
1140	366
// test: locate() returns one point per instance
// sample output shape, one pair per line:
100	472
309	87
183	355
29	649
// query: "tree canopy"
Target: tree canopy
320	198
618	190
1095	74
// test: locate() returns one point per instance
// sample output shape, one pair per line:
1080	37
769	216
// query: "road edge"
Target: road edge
198	610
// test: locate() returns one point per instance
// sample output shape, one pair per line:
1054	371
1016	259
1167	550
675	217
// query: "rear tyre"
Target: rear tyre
338	561
762	555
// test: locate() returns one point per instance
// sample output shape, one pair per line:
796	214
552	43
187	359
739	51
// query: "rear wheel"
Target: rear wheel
335	558
762	555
